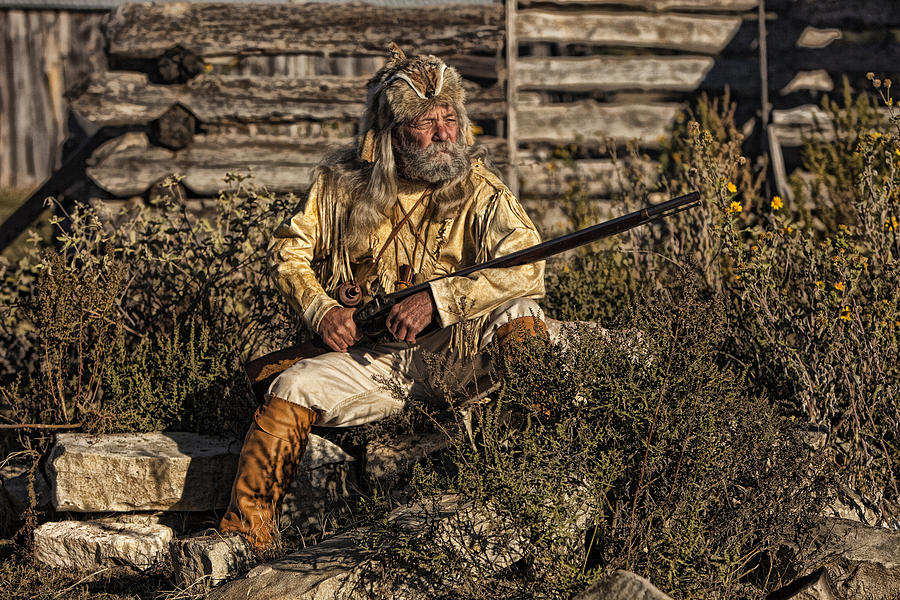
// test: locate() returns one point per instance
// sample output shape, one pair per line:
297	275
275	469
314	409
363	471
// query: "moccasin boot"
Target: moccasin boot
516	331
267	464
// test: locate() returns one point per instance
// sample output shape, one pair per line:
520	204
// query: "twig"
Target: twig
40	426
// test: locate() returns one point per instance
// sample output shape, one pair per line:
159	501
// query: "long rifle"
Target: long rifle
371	316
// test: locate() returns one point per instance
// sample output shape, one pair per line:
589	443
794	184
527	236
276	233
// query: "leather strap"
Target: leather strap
393	234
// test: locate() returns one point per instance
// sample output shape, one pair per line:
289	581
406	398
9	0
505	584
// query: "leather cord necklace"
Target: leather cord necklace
349	293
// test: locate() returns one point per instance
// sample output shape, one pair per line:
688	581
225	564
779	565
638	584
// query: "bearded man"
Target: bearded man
410	202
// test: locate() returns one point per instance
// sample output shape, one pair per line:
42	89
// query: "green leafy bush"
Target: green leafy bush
140	320
629	449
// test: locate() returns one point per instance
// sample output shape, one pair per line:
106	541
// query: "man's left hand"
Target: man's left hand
410	316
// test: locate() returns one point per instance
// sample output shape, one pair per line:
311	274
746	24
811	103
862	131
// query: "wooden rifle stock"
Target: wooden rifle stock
371	316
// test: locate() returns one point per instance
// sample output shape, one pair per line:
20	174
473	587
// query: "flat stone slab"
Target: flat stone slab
863	561
155	471
622	585
91	545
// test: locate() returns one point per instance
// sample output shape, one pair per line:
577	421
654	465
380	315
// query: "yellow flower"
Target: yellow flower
845	313
891	223
777	203
208	67
754	248
735	207
788	230
731	187
839	286
820	284
897	151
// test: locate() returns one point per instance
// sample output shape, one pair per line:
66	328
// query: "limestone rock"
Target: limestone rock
388	465
211	558
622	585
815	586
319	492
338	568
154	471
90	545
864	562
14	489
330	569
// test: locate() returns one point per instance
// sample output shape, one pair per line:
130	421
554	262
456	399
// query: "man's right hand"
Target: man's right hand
338	330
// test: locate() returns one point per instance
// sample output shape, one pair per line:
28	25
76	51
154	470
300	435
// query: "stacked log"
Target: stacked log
186	105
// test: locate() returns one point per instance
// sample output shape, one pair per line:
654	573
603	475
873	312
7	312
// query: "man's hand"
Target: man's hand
338	329
410	316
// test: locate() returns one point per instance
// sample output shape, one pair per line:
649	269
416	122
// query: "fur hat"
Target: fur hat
404	90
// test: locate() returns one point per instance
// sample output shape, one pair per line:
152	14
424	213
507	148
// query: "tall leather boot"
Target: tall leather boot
272	449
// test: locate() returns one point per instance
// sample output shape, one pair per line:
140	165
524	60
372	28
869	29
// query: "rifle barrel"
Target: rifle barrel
569	241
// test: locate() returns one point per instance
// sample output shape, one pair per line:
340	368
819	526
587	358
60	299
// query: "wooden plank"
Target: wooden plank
794	126
148	30
512	96
7	104
22	174
676	73
599	178
658	5
130	165
124	98
593	123
812	37
691	33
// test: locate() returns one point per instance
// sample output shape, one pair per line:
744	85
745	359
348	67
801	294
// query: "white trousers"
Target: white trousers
352	388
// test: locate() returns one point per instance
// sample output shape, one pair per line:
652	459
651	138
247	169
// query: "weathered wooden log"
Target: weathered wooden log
147	30
126	98
596	178
692	33
659	5
130	165
794	126
814	38
808	122
593	123
679	73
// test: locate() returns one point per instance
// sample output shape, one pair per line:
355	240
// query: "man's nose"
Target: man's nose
442	133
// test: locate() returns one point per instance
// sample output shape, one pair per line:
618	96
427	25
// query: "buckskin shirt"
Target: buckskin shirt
308	264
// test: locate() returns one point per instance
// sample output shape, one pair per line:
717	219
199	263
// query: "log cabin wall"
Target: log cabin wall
42	54
271	87
588	71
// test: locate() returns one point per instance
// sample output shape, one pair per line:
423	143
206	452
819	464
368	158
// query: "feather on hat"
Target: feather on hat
405	89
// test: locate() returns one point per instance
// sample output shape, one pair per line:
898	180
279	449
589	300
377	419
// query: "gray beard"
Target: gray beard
439	162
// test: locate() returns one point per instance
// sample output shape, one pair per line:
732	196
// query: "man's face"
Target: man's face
429	148
438	125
